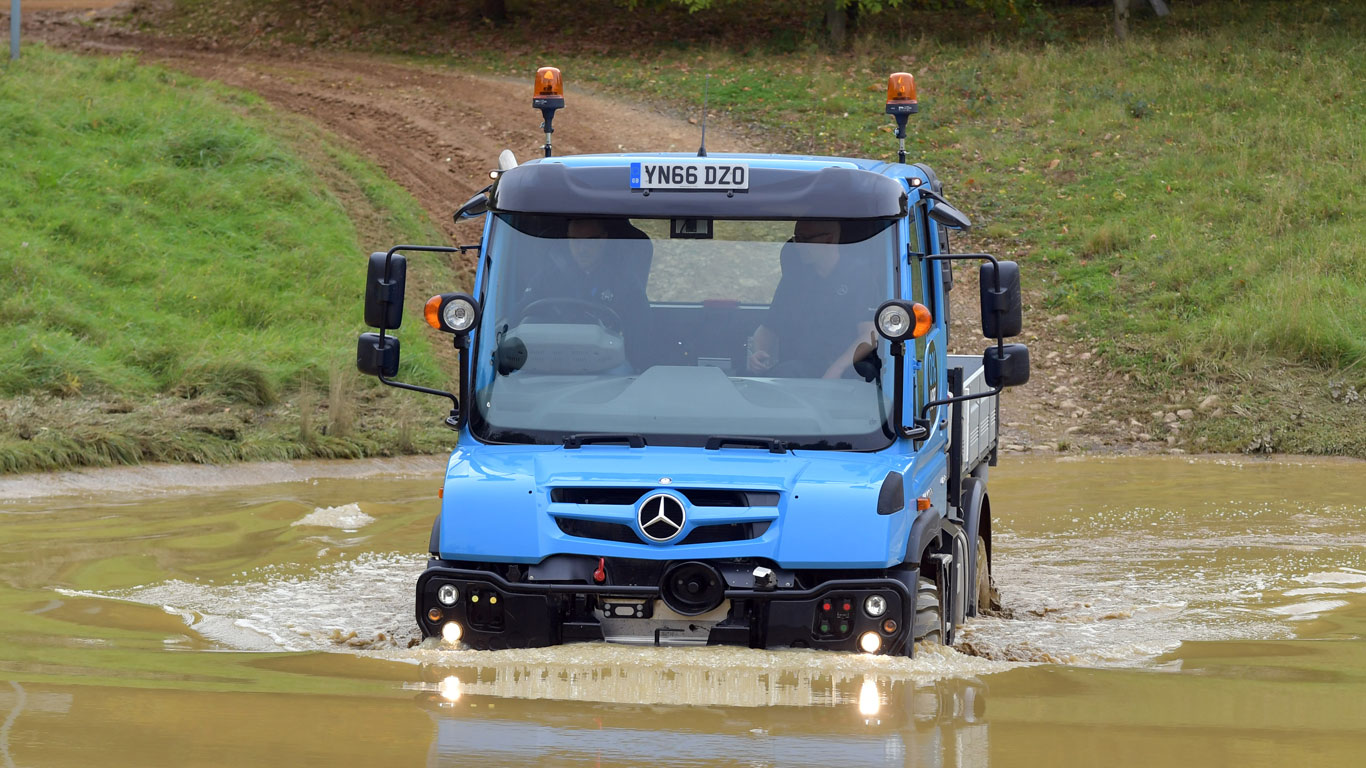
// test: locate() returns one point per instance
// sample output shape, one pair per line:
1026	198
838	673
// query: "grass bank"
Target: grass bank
1191	199
182	275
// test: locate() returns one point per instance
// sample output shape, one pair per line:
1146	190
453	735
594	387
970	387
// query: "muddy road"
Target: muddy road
436	132
1198	611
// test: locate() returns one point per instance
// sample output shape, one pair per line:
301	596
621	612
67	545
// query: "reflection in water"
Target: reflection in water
19	701
701	677
869	702
863	722
450	689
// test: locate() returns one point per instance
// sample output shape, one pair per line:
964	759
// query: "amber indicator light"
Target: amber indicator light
432	312
924	321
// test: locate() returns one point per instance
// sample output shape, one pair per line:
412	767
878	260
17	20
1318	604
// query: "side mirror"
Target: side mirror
384	292
475	206
510	355
1002	309
867	364
376	356
1007	367
949	216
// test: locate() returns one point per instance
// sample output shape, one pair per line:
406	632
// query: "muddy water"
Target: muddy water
1163	611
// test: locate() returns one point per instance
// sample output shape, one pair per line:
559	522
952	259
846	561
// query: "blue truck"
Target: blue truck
707	399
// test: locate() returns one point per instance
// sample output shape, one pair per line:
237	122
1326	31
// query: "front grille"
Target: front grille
597	529
716	534
706	497
617	496
706	534
698	497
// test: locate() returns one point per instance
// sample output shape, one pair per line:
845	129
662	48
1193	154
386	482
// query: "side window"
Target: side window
919	296
916	265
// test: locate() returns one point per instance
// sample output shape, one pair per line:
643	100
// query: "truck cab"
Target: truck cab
706	399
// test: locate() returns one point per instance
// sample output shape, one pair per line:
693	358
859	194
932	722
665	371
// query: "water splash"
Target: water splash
347	517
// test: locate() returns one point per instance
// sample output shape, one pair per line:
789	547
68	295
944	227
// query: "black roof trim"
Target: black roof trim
774	193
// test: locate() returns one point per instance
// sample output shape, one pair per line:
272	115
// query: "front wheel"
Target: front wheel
984	594
929	619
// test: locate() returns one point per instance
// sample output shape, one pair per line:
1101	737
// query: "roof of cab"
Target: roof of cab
780	187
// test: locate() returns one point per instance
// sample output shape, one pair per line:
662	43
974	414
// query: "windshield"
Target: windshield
680	331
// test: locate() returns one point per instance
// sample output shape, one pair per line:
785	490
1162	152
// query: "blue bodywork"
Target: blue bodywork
497	507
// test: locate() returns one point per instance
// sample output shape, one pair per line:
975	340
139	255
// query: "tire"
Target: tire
929	621
986	599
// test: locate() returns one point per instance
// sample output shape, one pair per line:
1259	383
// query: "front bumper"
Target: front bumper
494	613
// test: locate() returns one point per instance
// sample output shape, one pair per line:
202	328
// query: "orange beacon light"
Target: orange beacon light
901	104
547	95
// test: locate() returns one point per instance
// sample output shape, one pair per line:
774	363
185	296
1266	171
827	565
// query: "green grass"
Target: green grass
1206	199
1191	198
176	274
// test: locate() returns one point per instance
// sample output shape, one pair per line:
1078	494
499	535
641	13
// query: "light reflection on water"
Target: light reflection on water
863	721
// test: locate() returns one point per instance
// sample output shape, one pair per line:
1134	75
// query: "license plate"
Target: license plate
722	177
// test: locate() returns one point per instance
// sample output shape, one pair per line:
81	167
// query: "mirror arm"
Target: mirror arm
388	259
455	402
924	411
995	279
424	248
995	273
455	415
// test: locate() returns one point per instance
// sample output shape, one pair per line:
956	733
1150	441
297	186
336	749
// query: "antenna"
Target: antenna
702	150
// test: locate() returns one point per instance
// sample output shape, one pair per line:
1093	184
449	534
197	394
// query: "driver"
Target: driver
822	310
599	271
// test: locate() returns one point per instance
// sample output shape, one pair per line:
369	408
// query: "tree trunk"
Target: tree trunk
1122	19
835	19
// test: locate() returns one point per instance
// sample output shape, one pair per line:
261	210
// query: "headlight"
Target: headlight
875	605
459	314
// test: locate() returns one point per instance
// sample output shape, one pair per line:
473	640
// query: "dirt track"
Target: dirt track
438	132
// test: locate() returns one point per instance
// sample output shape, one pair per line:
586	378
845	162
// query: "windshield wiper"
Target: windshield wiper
587	438
772	444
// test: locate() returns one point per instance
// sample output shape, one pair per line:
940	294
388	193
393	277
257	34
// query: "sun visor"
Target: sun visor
774	193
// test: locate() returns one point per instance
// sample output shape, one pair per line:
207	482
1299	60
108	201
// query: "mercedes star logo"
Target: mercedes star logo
661	517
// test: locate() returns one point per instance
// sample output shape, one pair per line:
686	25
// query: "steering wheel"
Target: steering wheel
595	311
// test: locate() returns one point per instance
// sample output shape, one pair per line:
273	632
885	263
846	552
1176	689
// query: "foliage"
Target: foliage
996	7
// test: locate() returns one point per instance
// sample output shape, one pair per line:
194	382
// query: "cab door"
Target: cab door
930	379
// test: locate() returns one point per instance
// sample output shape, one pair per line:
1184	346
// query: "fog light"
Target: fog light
448	594
434	615
868	641
875	605
451	632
